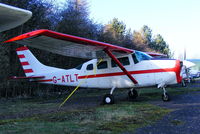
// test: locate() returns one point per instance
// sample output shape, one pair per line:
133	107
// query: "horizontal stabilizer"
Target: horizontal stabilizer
23	77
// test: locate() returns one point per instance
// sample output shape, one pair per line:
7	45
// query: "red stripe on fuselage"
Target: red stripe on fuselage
21	56
131	72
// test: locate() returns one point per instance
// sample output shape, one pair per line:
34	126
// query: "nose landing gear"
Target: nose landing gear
165	95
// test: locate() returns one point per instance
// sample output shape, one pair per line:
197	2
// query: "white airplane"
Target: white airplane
119	68
11	17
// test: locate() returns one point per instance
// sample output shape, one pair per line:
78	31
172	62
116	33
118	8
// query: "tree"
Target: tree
128	40
143	38
9	63
117	27
114	32
144	41
75	20
140	42
160	45
138	39
146	34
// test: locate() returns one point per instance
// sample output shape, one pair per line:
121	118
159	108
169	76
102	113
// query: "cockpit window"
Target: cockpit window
135	58
89	67
124	61
140	56
102	65
79	67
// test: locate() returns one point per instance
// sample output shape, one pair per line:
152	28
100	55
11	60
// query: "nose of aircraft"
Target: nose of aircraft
188	64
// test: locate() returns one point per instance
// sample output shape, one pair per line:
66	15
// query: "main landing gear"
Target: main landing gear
132	94
165	95
109	98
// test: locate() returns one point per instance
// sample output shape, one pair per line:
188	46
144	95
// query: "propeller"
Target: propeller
186	65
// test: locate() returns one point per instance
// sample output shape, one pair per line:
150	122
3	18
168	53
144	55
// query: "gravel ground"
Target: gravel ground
184	119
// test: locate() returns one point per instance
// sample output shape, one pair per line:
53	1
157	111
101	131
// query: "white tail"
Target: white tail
31	66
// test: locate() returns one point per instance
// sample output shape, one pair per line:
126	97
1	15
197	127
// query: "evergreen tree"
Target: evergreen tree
160	45
114	32
75	20
146	34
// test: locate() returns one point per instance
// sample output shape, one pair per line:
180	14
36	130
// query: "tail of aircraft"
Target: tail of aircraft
31	66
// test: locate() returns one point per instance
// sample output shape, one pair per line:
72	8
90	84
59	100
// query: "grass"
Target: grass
21	107
117	118
42	116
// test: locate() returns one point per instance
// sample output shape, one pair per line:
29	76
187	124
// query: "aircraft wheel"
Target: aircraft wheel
108	99
166	97
133	94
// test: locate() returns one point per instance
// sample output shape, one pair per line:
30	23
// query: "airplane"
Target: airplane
11	17
110	67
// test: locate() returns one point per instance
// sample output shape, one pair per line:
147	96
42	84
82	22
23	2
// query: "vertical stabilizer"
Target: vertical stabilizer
30	64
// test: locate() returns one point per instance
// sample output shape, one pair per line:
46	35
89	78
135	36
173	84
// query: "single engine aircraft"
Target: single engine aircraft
119	68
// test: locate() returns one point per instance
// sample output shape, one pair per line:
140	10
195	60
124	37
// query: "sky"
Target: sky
176	20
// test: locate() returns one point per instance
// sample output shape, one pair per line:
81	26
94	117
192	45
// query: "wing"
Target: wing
156	55
68	45
11	17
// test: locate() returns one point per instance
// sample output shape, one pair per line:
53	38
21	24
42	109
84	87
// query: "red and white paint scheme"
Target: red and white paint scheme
110	66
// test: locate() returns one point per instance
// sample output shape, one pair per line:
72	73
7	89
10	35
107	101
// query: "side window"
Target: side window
124	61
135	58
89	67
79	67
102	65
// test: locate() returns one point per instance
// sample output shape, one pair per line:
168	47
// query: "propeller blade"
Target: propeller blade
188	64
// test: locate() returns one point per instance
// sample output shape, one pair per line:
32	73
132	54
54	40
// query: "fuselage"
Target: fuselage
104	73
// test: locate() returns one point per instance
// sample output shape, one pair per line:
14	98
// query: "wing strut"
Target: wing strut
120	65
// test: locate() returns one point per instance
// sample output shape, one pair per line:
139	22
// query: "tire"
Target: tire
108	99
166	98
133	94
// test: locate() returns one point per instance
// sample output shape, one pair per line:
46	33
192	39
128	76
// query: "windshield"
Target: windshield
140	56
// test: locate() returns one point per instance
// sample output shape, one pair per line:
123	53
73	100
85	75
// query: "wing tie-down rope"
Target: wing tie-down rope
94	70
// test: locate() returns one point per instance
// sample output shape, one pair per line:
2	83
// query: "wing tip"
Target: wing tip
27	35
